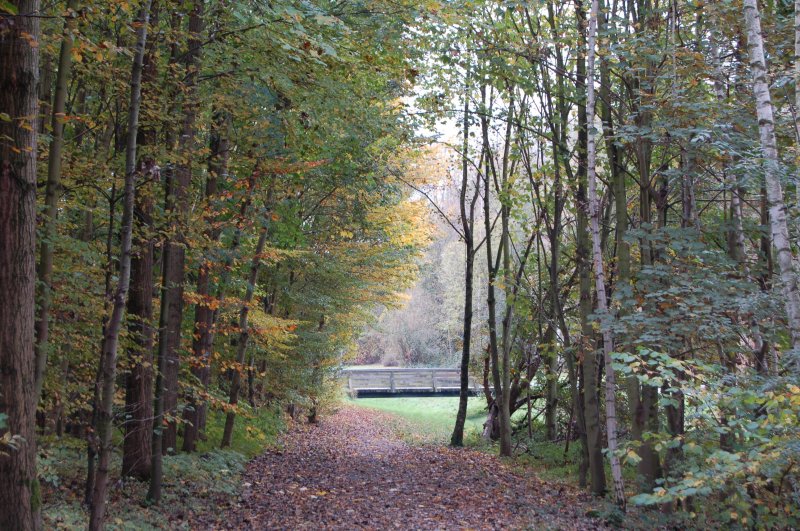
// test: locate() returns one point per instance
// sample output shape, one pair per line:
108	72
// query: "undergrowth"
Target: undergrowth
192	482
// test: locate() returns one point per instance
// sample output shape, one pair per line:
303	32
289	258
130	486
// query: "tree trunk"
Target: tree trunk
174	252
599	269
797	97
136	458
467	225
508	287
777	209
204	313
642	398
108	364
587	399
505	444
19	76
52	194
244	335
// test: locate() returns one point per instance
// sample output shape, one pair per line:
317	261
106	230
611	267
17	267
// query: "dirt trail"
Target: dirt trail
351	471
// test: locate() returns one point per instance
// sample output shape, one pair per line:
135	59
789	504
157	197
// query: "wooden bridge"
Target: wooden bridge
405	382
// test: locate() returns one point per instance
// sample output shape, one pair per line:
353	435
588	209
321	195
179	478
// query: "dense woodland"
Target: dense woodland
207	206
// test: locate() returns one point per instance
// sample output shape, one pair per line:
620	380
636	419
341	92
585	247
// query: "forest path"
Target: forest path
351	471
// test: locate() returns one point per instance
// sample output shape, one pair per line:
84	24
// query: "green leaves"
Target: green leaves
8	7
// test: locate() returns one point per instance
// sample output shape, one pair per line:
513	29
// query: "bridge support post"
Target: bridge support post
392	387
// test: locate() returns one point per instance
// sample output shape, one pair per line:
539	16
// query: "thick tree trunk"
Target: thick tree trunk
599	269
139	381
52	195
19	76
777	208
108	365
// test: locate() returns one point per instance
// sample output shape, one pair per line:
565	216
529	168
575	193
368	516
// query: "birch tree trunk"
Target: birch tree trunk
599	271
589	398
108	365
777	208
19	77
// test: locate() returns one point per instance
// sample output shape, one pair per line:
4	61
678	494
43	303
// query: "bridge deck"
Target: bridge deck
396	381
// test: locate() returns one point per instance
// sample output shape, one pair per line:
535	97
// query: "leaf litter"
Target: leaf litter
352	471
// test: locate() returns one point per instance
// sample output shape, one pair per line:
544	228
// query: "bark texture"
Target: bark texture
774	190
19	77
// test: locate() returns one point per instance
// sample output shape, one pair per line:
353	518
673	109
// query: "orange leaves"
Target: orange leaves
206	301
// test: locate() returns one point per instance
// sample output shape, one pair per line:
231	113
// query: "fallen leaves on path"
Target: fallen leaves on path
351	471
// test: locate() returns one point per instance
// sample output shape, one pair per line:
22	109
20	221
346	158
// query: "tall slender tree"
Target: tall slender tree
108	365
774	191
53	193
467	202
599	268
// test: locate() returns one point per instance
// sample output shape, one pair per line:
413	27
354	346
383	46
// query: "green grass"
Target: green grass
432	418
252	433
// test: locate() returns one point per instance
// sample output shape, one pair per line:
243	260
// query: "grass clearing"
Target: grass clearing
430	419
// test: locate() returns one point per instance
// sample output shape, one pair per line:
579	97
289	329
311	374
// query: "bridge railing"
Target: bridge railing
405	380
